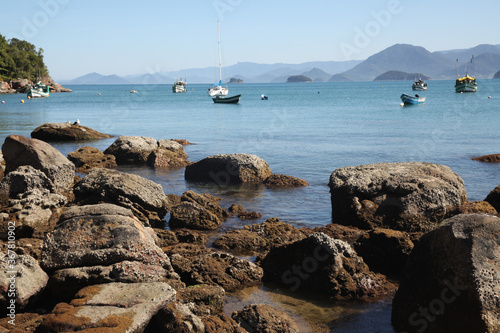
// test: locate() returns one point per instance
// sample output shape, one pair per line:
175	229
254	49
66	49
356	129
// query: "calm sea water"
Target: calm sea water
303	130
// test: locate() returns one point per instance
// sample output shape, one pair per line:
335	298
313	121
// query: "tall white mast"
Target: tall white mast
220	58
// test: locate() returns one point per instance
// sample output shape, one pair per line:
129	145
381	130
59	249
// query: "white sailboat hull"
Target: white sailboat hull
218	91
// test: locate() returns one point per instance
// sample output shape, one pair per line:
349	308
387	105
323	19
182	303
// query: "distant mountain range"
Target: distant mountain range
399	57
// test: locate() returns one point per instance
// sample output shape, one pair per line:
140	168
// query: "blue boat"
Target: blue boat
408	99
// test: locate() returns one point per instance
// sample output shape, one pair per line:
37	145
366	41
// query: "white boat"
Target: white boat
179	86
466	83
38	90
419	85
217	89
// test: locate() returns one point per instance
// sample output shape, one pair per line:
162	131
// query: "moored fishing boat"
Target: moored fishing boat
419	85
468	82
38	90
179	86
408	99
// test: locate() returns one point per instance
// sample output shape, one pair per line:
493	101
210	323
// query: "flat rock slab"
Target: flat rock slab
112	307
66	132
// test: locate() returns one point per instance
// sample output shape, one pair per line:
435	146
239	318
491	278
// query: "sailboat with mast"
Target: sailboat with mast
466	83
217	89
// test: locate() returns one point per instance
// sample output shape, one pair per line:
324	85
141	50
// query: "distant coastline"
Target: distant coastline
440	65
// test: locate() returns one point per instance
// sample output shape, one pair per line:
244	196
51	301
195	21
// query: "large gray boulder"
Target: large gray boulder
228	169
19	150
112	307
324	266
410	196
452	281
132	149
28	195
143	196
102	243
21	280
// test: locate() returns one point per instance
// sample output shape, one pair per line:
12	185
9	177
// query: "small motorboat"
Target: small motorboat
419	85
408	99
264	97
228	100
133	91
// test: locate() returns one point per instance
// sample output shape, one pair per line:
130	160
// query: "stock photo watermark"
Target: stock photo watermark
11	272
47	9
363	36
421	318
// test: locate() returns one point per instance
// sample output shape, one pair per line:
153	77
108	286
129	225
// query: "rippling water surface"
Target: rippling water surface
303	130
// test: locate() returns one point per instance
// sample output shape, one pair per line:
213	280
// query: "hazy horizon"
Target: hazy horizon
131	38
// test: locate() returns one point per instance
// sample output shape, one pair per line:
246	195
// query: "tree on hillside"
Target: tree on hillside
20	59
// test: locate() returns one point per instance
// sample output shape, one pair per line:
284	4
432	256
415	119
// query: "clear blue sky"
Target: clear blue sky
133	37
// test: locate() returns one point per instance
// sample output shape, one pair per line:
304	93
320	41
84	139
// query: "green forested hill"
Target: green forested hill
20	59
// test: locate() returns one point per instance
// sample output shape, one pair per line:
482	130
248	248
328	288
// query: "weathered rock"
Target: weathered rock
102	243
164	158
191	236
326	267
28	201
19	150
495	158
24	323
228	169
342	232
493	198
216	268
87	158
165	237
144	197
177	317
191	215
112	307
411	197
66	132
260	237
173	146
249	215
265	318
385	250
21	280
475	207
203	300
222	324
183	142
279	181
452	281
24	246
24	179
132	149
56	87
208	201
34	212
235	209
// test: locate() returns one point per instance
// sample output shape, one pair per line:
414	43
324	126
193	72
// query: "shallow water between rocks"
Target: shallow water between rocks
302	130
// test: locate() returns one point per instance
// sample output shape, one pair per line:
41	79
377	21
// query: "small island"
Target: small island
401	76
298	78
236	80
497	75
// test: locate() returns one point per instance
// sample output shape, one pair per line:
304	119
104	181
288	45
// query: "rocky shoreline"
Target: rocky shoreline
111	251
20	86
